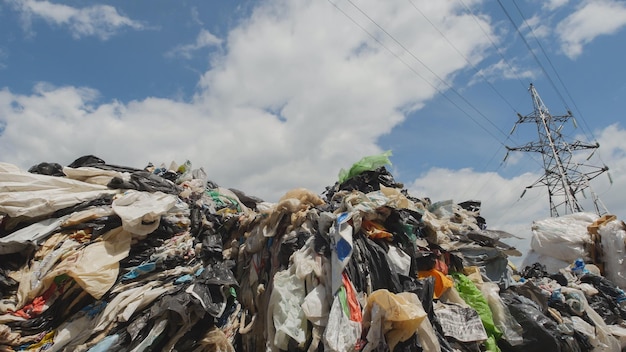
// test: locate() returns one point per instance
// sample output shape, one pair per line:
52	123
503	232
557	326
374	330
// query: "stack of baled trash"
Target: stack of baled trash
100	257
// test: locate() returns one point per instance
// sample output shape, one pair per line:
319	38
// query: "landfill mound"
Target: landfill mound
101	257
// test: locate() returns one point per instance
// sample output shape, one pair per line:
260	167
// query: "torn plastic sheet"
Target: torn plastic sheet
30	235
563	238
398	316
341	334
284	306
33	195
141	211
461	323
341	245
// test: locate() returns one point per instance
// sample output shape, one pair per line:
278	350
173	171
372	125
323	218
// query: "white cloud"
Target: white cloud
3	57
298	92
551	5
537	25
503	70
590	20
195	16
205	39
102	21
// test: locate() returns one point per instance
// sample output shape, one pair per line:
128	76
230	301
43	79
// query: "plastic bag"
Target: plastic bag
285	309
367	163
613	237
564	237
141	211
605	341
341	245
341	334
540	332
472	296
400	315
316	306
459	322
511	329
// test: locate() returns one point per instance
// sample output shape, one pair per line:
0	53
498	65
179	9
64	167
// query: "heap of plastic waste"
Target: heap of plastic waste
100	257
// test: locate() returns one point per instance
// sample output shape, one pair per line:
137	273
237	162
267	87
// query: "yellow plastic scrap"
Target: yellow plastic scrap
402	314
375	230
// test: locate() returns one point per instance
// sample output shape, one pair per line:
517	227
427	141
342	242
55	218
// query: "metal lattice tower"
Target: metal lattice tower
563	177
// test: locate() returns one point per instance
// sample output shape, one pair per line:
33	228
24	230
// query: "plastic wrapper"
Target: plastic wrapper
613	239
141	212
397	316
563	238
341	334
368	163
459	322
511	329
286	315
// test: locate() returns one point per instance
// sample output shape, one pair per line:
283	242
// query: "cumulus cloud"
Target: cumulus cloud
590	20
289	100
102	21
553	4
537	26
503	70
205	39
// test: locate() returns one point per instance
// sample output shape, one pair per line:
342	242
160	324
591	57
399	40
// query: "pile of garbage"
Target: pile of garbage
100	257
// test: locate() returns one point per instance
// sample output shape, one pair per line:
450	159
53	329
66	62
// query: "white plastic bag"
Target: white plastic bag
603	341
613	237
563	238
34	195
285	309
341	334
511	329
141	211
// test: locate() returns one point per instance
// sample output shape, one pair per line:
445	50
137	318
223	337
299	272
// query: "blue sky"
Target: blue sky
272	95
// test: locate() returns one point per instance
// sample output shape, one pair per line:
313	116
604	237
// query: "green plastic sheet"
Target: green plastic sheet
367	163
475	299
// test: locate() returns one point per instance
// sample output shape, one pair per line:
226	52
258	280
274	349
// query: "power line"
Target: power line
463	56
428	68
558	76
543	69
411	68
445	96
494	44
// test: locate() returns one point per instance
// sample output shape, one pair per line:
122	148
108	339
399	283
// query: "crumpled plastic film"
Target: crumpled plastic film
365	164
32	195
613	239
284	307
341	333
563	238
401	314
141	211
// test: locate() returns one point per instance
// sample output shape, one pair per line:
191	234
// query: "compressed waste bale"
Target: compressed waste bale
565	238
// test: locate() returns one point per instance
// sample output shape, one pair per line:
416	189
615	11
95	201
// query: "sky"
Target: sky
271	95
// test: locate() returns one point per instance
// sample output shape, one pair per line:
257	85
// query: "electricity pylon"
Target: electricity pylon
563	177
